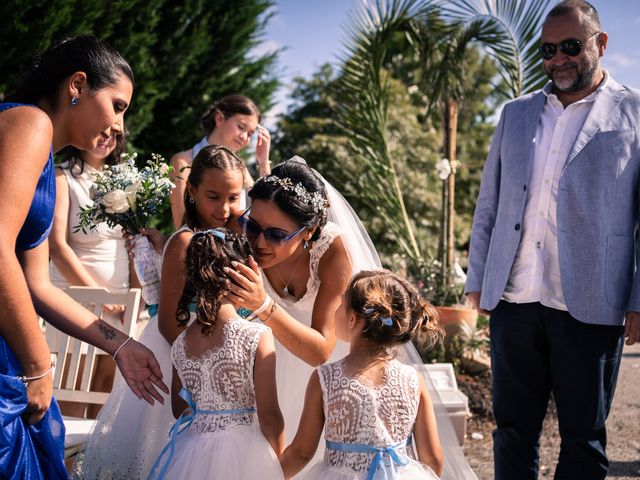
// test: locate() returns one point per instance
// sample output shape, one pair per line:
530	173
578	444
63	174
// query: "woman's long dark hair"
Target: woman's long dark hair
209	252
102	64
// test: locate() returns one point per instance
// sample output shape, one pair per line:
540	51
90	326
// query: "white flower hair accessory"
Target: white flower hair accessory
315	199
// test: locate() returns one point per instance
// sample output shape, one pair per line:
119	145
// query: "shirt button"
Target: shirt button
517	227
525	188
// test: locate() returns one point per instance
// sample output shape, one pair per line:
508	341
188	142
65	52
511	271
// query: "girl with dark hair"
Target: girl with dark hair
224	379
372	406
231	122
97	258
76	94
128	435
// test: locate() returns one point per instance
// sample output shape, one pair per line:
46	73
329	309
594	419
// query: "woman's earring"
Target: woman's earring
75	100
305	245
191	200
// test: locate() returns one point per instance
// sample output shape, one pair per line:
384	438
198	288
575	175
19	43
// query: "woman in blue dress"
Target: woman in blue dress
76	94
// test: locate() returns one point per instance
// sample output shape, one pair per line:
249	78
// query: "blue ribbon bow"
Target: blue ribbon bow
380	452
182	423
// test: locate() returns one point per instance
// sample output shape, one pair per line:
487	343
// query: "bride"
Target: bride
308	242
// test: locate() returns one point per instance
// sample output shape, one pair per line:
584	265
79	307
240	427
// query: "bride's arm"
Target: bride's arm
312	344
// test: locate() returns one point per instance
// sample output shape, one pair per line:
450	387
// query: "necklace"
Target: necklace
285	290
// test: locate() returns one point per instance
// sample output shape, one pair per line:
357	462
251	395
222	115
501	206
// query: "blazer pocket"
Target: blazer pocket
618	270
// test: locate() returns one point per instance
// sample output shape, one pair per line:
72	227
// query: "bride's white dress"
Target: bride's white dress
227	446
377	416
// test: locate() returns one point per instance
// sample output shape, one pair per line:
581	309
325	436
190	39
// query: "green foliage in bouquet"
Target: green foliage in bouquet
126	196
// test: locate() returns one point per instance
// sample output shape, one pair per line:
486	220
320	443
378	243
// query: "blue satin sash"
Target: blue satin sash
378	460
182	424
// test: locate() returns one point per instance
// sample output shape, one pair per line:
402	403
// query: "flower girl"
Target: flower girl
224	386
374	409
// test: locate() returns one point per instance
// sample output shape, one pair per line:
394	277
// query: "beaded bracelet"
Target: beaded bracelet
26	379
120	347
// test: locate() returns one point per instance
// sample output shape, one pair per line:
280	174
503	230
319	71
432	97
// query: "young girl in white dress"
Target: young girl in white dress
374	409
223	390
129	435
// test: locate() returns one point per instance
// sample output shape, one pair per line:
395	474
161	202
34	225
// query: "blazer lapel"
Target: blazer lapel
605	103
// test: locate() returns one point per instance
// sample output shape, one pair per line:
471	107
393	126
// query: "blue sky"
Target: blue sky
311	31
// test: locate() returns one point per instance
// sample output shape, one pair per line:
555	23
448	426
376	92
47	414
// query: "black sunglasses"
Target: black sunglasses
571	47
272	236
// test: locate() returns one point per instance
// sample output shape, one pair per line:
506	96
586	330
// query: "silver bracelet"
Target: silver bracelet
260	309
120	347
26	379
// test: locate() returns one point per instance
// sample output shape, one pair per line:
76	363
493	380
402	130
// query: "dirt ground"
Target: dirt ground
623	426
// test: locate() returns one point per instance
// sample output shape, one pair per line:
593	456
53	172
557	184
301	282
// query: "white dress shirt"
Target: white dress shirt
535	274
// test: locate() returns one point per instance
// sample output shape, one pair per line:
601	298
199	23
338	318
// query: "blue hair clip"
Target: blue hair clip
387	321
213	231
368	311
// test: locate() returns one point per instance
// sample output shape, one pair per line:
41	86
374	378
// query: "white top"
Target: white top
221	378
101	251
357	412
535	274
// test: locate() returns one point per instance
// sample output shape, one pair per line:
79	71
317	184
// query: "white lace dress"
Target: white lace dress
377	416
227	446
129	433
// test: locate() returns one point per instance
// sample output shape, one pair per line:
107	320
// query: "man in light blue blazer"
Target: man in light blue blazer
553	251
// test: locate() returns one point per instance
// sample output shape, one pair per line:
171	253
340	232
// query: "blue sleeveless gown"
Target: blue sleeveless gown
29	452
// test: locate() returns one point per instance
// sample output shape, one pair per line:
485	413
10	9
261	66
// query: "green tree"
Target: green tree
185	54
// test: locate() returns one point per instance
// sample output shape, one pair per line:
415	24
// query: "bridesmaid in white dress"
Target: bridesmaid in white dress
95	259
231	121
375	410
129	435
223	390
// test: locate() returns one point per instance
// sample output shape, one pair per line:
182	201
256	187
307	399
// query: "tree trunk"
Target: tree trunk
450	134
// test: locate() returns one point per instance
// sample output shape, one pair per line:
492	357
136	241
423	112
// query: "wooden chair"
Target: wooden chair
70	351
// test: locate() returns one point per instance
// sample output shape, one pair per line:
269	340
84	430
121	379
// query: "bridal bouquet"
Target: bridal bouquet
128	197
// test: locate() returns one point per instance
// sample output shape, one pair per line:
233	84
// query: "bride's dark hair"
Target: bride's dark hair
294	205
209	252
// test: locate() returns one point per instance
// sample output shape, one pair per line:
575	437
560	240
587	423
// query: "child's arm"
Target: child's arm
264	381
178	405
305	443
425	432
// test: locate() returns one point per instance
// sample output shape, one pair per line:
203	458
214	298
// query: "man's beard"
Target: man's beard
582	78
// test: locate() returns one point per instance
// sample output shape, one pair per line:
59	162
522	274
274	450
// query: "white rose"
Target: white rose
131	191
115	201
164	169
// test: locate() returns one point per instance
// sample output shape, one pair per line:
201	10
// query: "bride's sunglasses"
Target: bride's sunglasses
571	47
273	236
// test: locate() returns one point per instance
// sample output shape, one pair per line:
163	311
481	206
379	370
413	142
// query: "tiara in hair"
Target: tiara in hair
315	199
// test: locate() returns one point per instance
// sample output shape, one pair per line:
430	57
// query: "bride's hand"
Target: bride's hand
141	371
247	287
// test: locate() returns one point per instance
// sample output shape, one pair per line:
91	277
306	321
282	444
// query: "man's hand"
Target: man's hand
632	327
474	300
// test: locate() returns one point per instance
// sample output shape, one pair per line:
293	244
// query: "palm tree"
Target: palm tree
508	31
438	34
